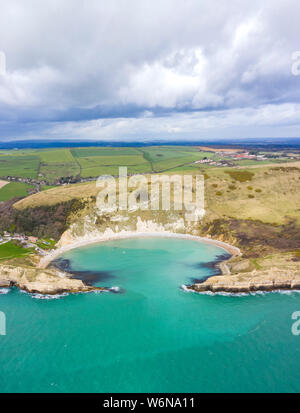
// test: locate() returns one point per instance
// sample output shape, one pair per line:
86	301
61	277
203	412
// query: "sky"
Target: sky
144	70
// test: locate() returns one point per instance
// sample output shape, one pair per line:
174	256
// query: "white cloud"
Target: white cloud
237	123
70	60
29	87
178	80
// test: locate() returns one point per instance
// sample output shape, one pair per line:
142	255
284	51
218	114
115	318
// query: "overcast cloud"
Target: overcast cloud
139	69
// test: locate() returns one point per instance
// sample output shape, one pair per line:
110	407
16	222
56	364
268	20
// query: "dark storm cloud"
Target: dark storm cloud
141	68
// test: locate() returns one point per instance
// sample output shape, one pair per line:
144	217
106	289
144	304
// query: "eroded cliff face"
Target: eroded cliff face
90	225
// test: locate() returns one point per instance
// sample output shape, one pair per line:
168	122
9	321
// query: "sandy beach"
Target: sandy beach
46	260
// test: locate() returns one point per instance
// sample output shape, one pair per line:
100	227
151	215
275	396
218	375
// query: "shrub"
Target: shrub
232	187
250	188
218	193
257	190
286	168
43	221
250	196
215	185
241	176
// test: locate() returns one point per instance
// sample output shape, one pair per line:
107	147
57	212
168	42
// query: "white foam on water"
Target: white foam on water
39	296
115	289
252	293
48	296
287	292
4	290
184	288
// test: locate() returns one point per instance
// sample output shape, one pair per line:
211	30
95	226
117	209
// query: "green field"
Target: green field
56	156
94	166
11	250
52	165
14	190
56	164
19	166
52	172
46	244
86	152
166	158
46	187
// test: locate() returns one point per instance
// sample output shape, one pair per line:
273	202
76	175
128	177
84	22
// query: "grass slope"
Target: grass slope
58	194
271	195
11	250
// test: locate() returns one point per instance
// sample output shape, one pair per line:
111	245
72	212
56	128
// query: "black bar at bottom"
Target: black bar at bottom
136	401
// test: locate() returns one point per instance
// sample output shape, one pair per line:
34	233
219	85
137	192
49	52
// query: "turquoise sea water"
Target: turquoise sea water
153	337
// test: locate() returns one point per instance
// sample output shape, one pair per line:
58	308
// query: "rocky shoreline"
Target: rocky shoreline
46	282
254	281
231	272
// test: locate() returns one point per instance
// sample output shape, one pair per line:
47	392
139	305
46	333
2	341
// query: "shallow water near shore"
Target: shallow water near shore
153	336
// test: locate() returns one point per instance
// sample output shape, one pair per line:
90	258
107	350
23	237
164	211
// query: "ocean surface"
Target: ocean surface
152	336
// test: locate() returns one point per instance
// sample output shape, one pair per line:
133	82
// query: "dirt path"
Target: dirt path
3	183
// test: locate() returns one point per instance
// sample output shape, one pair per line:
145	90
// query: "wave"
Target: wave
4	290
184	288
252	293
38	296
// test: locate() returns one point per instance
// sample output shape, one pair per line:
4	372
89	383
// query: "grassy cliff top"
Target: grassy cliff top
270	194
58	194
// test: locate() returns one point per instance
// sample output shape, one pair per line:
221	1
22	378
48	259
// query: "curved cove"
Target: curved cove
152	337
